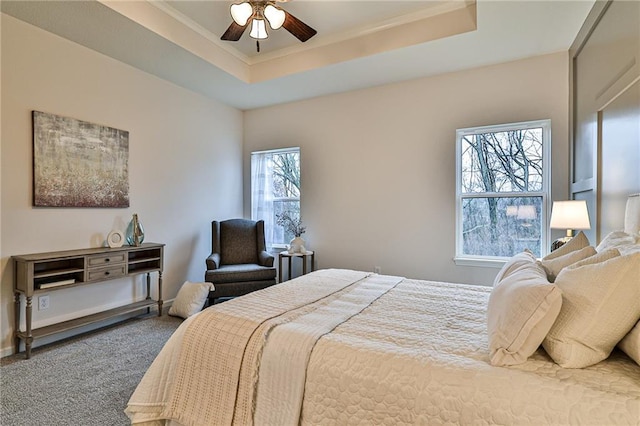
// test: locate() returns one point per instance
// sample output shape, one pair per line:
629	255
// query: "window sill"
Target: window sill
480	261
277	248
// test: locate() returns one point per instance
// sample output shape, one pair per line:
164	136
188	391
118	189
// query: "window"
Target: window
275	189
503	184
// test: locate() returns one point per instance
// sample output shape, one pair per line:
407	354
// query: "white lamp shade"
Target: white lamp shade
275	16
570	215
241	13
258	29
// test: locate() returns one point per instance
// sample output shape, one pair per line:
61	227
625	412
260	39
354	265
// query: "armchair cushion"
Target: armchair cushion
238	242
240	273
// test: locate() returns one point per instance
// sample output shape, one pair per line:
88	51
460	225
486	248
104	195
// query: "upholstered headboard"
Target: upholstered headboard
632	215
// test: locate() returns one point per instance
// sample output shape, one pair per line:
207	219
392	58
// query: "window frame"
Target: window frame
293	149
462	259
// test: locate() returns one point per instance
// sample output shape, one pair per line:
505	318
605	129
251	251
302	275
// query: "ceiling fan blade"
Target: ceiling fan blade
234	32
299	29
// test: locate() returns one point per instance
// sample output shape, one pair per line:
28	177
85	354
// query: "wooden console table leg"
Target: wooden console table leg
16	323
159	293
148	285
29	338
290	262
304	264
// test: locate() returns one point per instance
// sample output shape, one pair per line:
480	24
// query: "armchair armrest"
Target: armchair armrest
213	261
265	259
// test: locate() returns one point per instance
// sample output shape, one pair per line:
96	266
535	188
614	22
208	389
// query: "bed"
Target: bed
351	347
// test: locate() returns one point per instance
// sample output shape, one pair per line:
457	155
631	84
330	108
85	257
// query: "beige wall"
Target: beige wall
184	165
378	165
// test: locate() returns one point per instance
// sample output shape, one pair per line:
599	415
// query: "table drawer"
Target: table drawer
106	259
106	273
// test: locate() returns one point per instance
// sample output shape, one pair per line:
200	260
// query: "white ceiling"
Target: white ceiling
360	43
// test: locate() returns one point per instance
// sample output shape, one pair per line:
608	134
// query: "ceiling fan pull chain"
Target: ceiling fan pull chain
258	45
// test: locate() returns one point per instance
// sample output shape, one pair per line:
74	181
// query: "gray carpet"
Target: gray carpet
86	380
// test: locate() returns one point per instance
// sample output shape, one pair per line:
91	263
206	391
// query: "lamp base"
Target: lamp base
560	242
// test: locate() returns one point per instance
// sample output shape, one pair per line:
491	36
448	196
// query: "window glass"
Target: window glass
275	190
502	161
501	227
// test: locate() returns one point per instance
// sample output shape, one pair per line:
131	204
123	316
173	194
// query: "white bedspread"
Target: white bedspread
417	354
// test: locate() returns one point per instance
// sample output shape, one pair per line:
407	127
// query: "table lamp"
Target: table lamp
568	215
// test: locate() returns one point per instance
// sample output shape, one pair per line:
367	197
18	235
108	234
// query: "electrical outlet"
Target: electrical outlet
377	269
43	303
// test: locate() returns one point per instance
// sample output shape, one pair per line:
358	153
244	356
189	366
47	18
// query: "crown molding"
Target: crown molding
439	20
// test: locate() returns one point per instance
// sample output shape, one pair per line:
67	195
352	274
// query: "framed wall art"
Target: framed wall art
79	164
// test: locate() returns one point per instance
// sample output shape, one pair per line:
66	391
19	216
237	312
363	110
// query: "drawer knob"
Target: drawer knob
106	272
107	259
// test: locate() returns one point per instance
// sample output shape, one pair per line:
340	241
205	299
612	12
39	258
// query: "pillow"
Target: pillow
578	242
600	304
554	265
514	263
630	344
522	308
624	242
190	299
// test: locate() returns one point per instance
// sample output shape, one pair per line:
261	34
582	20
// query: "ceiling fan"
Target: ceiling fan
257	12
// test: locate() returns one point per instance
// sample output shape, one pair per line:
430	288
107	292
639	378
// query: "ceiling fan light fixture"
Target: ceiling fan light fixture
241	13
275	16
258	29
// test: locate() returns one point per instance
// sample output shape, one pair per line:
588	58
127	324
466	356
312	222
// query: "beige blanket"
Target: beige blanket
207	372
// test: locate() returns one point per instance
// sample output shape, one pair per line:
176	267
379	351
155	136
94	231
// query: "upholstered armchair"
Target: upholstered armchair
239	262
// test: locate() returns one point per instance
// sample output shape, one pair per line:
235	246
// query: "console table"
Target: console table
43	272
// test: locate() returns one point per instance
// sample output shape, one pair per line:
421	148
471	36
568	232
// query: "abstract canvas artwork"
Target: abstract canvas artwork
78	164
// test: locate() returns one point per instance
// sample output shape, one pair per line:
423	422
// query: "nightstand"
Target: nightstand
306	257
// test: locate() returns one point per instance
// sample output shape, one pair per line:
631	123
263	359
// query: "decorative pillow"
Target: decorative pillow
578	242
600	304
190	299
631	343
624	242
514	263
554	265
522	308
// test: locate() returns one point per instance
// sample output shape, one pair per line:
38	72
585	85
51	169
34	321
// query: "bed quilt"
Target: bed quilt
349	347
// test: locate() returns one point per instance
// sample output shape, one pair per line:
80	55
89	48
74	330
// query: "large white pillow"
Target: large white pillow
522	308
578	242
190	299
625	243
513	264
630	344
554	265
600	304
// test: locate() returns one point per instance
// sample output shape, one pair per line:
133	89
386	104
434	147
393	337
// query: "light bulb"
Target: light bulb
275	16
258	29
241	13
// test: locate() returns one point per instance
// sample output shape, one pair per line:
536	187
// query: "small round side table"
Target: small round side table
309	255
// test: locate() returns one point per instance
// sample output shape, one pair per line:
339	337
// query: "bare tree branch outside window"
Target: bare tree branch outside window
286	192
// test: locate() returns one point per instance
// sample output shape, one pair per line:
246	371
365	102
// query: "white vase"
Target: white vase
297	246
